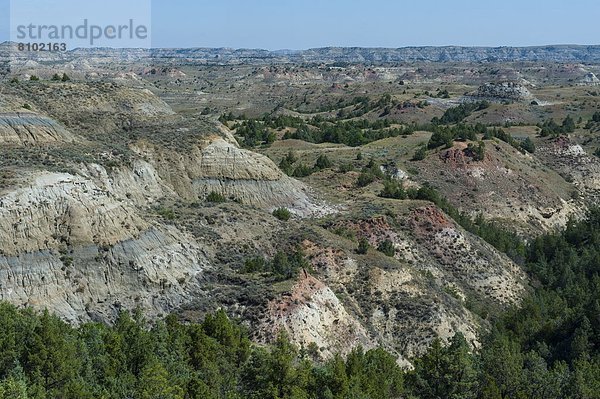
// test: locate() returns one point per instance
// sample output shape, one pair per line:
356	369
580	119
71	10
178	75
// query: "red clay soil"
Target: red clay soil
427	220
374	230
461	157
321	258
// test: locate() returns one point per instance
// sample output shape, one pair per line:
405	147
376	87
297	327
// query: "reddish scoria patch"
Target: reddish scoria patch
374	230
428	220
461	157
323	259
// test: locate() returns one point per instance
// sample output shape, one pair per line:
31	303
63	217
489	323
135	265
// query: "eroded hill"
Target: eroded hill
122	189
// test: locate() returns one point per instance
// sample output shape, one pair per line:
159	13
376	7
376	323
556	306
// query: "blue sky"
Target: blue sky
302	24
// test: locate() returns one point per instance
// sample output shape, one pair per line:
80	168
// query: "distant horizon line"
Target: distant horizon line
9	42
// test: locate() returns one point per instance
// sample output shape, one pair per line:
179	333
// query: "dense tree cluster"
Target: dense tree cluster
551	128
527	145
370	173
354	107
356	132
322	162
43	357
282	214
287	163
460	112
593	122
500	134
443	94
446	135
353	133
215	197
420	153
283	266
290	167
255	133
363	246
477	151
63	78
393	189
387	247
565	312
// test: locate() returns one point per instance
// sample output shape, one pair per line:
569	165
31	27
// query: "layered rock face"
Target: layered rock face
466	262
68	245
89	108
90	242
565	53
219	165
85	246
20	128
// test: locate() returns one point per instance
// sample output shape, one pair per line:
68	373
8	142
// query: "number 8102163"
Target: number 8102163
42	47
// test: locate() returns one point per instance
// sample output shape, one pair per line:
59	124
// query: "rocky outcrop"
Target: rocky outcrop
85	246
590	79
312	314
436	244
70	246
402	302
220	166
467	262
20	128
138	182
88	108
504	91
575	164
55	209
